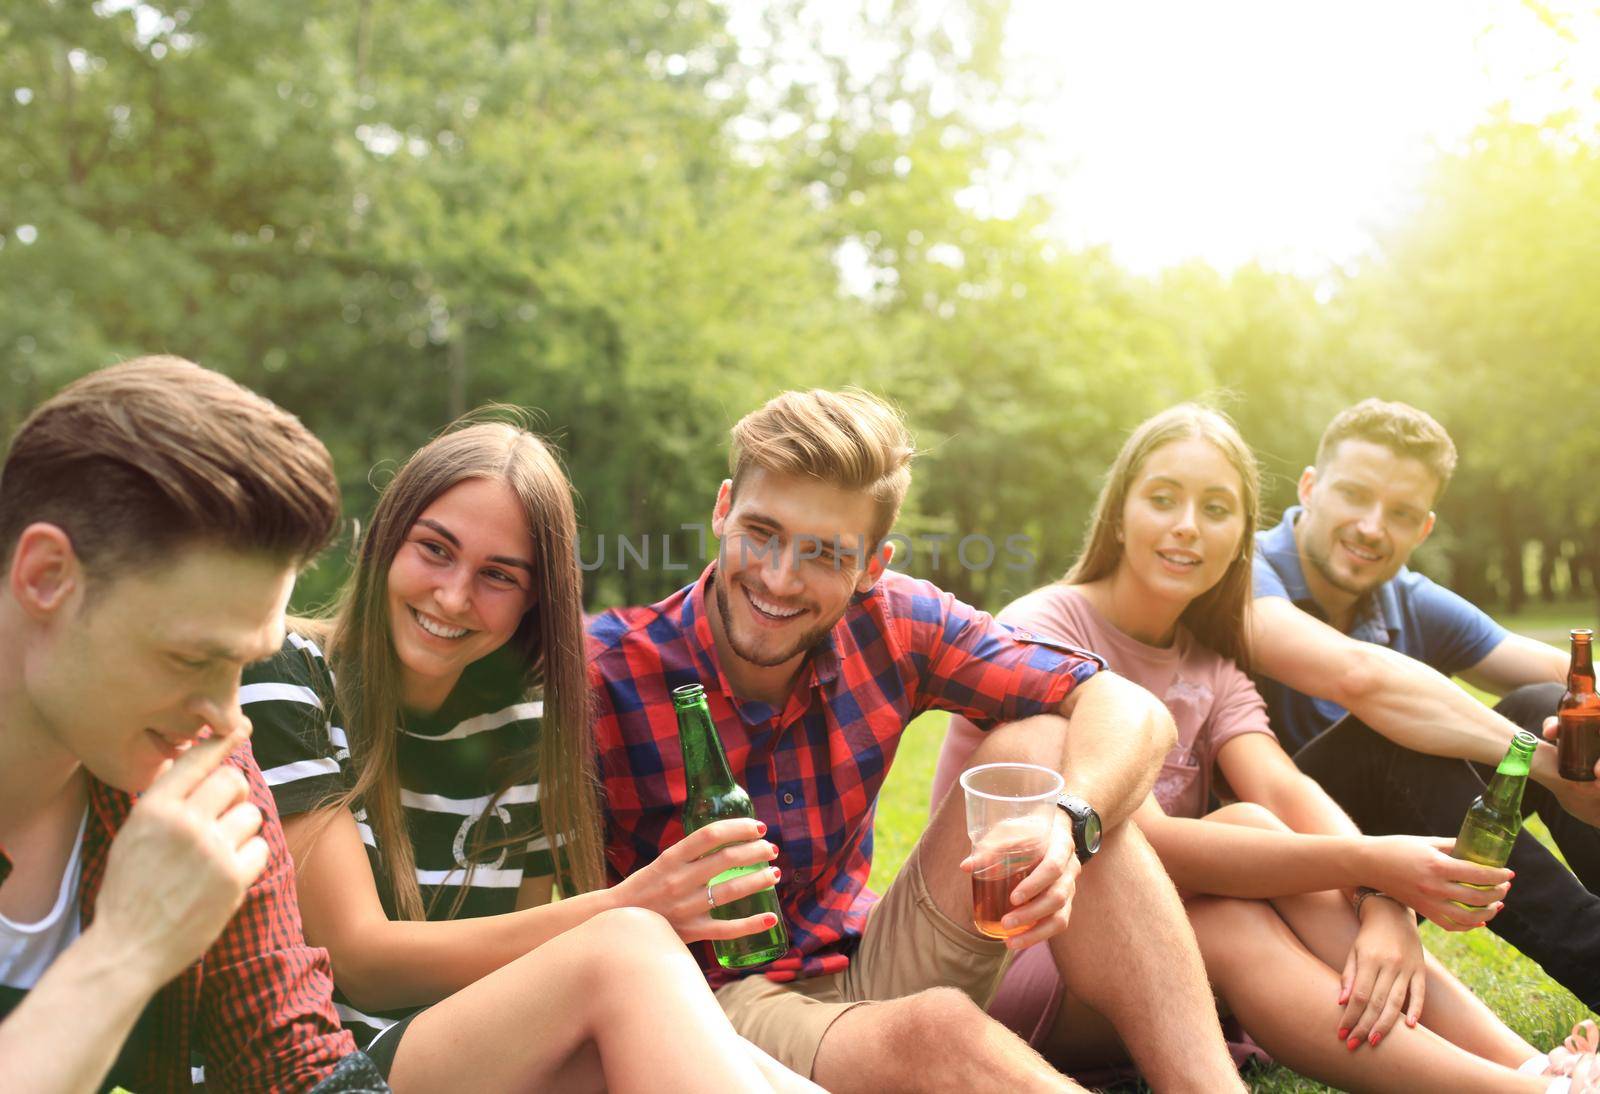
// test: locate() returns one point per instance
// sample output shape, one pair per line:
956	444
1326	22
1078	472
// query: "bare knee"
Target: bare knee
626	939
1031	741
629	927
1248	814
938	1021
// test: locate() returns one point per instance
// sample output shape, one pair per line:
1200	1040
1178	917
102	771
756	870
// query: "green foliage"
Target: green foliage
641	225
621	216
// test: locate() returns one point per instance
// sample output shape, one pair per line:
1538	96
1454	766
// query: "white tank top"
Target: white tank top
27	949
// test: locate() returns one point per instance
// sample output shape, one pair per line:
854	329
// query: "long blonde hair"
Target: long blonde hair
1217	616
547	648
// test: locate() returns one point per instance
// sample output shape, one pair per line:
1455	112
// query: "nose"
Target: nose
218	706
1184	526
454	593
1370	522
782	571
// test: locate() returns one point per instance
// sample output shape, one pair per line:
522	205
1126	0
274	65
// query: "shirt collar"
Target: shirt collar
1377	615
821	669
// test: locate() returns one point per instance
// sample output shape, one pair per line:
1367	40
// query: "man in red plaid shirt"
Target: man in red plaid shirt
152	519
814	658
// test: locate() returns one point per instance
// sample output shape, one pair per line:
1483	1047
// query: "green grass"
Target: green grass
1527	1000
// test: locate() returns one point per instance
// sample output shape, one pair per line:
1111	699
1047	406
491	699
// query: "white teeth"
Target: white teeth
438	630
772	609
1361	552
1179	560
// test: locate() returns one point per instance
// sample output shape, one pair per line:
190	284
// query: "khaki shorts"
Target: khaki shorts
909	946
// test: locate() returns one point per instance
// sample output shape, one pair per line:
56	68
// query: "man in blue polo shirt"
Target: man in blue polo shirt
1353	654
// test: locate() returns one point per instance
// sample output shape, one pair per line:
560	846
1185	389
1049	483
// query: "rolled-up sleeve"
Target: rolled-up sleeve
984	670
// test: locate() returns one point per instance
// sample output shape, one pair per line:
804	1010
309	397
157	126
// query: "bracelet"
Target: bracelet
1363	893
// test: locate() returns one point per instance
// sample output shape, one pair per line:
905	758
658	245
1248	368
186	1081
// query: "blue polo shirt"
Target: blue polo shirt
1408	613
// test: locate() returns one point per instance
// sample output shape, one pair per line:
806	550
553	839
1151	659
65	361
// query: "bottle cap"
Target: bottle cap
688	695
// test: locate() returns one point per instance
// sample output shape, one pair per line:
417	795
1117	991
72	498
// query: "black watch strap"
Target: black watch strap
1085	825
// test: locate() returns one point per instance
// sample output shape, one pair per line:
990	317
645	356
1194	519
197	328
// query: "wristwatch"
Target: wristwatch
1085	825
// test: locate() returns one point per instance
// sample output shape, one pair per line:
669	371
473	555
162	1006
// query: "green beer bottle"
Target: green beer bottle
714	796
1494	819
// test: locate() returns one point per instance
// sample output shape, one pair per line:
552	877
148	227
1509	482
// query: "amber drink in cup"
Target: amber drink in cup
1010	811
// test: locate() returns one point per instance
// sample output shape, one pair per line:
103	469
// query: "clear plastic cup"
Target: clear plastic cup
1011	809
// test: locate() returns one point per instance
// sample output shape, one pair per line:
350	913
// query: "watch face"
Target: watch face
1085	824
1091	833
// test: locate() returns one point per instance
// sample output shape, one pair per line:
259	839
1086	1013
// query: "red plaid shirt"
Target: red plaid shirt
814	768
259	1004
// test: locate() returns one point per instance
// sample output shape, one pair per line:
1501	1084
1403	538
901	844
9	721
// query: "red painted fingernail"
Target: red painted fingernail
777	874
1344	1033
761	828
772	920
1352	1043
1375	1038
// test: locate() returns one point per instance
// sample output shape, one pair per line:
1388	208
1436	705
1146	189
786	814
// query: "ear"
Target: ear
1427	529
719	511
45	571
878	563
1308	479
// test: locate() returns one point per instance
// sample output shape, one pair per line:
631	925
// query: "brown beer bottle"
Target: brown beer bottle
1578	740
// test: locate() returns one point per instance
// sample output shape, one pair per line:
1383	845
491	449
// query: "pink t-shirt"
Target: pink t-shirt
1211	701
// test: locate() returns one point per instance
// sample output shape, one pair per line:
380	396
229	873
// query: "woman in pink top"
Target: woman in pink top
1307	927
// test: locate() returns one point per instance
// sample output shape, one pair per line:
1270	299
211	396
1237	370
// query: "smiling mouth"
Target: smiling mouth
1362	553
1184	559
435	627
766	610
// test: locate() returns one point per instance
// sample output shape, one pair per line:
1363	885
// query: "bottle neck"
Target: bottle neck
1582	670
1505	789
705	765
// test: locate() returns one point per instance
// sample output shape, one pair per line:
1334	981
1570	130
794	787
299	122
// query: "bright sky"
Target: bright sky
1276	130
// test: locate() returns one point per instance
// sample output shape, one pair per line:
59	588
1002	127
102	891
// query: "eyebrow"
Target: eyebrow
1228	490
504	560
213	652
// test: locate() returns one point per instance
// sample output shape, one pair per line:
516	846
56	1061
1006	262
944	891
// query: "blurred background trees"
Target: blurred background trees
640	224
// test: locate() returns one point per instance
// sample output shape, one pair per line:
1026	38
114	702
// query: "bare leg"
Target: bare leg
1129	952
1286	997
616	1004
1327	926
936	1041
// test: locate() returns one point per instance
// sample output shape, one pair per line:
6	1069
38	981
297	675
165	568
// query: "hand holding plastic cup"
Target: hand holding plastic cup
1011	809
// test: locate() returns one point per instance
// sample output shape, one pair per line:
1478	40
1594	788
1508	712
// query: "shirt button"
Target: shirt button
788	799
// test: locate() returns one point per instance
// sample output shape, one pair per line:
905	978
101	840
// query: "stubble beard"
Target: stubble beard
807	641
1323	564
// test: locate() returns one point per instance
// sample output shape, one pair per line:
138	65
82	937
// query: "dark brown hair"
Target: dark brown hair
1217	616
547	649
1399	427
142	457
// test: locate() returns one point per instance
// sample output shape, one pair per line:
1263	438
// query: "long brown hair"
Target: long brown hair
1217	616
548	648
